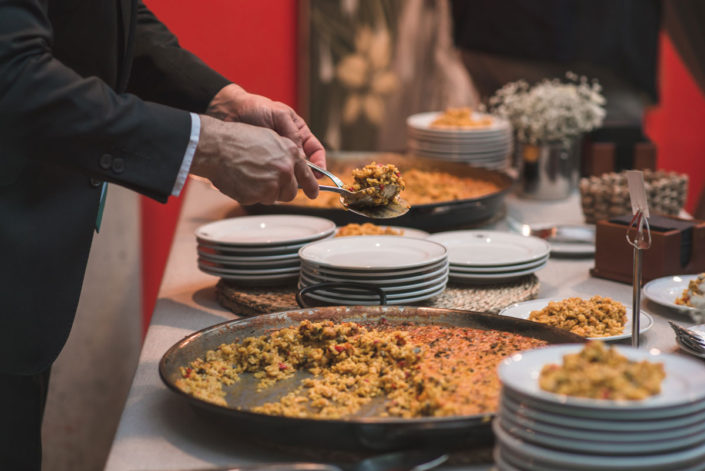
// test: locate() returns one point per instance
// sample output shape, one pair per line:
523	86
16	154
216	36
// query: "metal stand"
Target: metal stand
639	237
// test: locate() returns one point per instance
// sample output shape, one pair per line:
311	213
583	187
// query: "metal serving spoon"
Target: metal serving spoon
360	203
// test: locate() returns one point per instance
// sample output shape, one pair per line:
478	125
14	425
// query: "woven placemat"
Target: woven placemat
248	301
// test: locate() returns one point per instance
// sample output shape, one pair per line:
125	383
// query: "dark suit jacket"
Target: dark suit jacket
66	124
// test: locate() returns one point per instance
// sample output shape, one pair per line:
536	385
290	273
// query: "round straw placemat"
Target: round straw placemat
247	301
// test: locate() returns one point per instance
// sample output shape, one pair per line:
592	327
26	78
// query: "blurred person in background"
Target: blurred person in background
93	92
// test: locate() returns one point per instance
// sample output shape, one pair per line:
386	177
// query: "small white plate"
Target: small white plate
396	280
547	458
246	272
254	260
381	274
408	231
421	123
599	442
523	310
265	230
493	277
366	295
494	270
251	267
401	286
373	253
684	383
664	291
628	430
274	250
349	302
490	248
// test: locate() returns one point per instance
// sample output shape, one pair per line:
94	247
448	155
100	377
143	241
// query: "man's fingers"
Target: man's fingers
306	179
284	124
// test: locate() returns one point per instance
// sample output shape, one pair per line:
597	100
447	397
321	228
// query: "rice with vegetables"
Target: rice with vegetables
421	371
598	372
595	317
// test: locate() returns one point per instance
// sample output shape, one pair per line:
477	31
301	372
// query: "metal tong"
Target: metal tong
638	236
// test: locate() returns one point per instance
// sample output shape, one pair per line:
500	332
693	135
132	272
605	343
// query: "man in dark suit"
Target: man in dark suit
95	91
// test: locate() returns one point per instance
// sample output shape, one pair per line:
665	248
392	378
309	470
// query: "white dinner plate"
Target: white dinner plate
245	272
628	430
366	295
490	248
545	458
348	302
395	280
664	291
684	383
501	269
242	251
429	136
408	231
493	277
603	443
248	267
624	414
265	230
259	280
253	260
374	273
373	253
523	310
388	288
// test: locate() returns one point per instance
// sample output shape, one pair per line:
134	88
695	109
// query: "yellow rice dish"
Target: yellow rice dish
595	317
366	229
598	372
422	187
373	179
420	371
460	118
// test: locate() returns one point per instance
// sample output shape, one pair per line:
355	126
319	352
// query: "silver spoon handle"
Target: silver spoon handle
334	189
338	182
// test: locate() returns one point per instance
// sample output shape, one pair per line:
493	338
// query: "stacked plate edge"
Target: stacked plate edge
483	146
406	269
539	430
258	250
481	257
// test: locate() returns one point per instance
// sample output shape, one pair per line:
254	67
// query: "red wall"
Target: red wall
251	42
677	125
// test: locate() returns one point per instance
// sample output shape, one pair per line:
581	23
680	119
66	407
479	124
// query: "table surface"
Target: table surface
158	430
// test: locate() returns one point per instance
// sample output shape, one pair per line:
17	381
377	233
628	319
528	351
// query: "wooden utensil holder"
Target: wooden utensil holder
613	255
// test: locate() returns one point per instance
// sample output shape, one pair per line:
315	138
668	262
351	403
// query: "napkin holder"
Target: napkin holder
678	247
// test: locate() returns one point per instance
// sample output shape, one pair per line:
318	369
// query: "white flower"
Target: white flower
551	110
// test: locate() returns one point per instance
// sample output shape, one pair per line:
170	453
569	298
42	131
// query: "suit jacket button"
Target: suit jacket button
105	161
95	183
118	165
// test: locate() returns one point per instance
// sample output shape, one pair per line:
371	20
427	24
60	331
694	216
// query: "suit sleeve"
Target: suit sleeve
49	112
164	72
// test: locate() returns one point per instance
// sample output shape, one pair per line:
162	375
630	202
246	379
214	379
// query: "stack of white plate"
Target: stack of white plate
488	146
406	269
538	430
258	250
491	256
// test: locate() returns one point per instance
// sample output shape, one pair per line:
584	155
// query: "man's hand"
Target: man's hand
232	103
251	164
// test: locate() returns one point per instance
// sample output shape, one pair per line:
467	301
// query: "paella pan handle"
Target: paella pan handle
339	284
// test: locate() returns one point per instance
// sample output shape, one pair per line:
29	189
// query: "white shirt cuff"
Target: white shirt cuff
188	155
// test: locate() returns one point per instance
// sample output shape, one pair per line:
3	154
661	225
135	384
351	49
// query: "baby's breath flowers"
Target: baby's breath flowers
551	110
